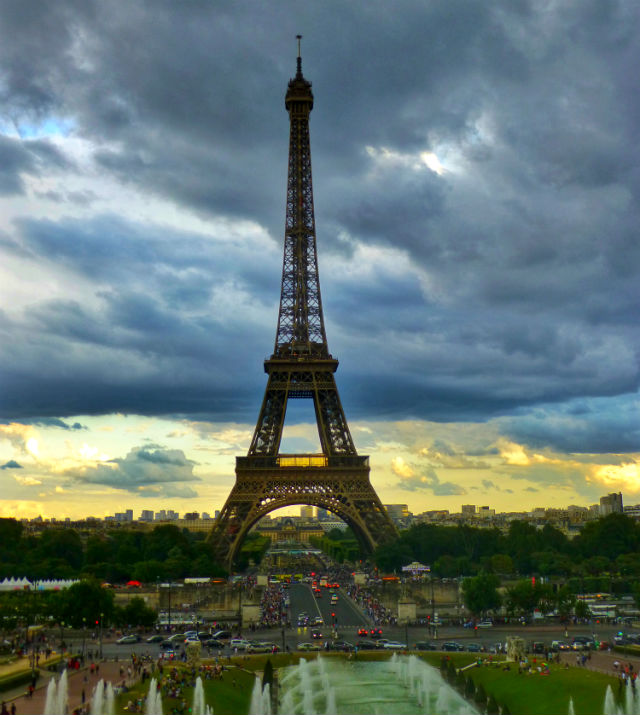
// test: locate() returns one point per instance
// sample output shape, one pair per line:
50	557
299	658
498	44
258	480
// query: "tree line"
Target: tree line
164	553
605	548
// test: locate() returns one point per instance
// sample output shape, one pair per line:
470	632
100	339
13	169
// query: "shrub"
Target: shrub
481	695
469	688
20	677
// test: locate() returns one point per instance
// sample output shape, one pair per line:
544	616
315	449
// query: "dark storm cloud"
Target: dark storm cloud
55	422
11	464
158	335
146	471
592	426
521	258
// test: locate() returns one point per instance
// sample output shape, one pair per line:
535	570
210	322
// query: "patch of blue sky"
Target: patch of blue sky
50	127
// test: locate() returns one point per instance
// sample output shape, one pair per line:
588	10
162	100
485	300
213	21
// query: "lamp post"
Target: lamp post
101	619
84	634
61	637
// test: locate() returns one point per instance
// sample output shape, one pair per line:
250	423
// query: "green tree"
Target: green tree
63	546
480	593
137	613
610	536
149	571
582	610
502	564
86	600
628	565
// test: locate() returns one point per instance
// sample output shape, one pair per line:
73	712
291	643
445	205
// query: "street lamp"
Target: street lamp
61	637
84	635
101	619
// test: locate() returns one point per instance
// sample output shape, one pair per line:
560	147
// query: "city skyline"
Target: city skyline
474	179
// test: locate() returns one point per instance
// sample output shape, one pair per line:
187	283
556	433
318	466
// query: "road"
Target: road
343	614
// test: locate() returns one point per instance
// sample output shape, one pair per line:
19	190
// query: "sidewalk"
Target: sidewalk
603	661
78	680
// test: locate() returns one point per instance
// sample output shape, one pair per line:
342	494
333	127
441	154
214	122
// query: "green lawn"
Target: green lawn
523	694
538	694
229	696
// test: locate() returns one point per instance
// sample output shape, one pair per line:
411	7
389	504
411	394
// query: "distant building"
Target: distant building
485	512
611	504
324	514
191	516
397	511
306	512
146	515
288	530
124	516
632	511
468	511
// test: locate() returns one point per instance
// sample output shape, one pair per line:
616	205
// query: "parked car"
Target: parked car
582	643
340	645
452	646
367	644
128	639
538	647
212	642
222	635
485	624
473	647
395	645
157	638
425	645
309	646
177	638
239	643
559	645
261	647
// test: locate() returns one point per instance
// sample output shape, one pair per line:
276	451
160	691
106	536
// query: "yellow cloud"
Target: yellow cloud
401	469
18	434
27	481
20	509
624	476
513	453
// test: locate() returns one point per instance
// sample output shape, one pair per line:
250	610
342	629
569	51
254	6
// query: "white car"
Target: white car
485	624
395	645
239	643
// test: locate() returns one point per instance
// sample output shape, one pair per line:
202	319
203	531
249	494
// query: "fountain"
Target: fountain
404	684
153	703
103	699
199	705
261	701
57	696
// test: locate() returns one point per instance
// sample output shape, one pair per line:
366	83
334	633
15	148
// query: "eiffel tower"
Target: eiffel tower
301	367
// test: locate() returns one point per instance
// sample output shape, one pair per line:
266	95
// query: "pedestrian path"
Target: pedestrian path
81	685
603	661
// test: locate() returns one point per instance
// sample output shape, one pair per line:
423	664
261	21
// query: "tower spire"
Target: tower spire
300	367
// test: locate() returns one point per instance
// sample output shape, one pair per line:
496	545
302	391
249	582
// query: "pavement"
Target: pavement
603	661
78	681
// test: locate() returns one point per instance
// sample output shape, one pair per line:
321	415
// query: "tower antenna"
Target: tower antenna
299	37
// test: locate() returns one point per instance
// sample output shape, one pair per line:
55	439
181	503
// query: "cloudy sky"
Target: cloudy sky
477	185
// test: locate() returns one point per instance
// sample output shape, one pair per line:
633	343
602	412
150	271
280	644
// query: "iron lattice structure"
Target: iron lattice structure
300	367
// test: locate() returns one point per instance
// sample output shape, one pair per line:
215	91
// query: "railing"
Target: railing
302	461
